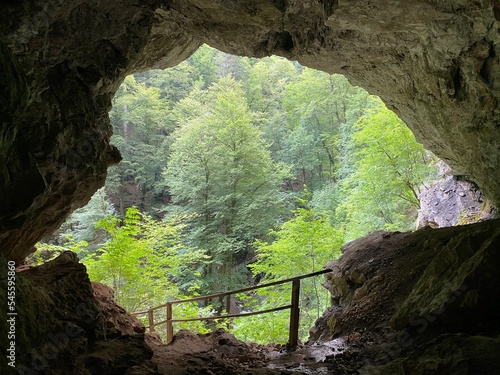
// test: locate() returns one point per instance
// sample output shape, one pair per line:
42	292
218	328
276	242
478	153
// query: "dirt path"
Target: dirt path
221	354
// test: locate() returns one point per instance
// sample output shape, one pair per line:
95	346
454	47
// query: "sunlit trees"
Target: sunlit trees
142	259
390	169
221	170
140	124
227	143
301	245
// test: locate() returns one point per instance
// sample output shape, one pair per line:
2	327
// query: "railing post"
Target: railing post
151	321
221	302
293	337
170	328
228	304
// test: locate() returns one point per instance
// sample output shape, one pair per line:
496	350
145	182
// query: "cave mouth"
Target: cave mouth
344	152
432	62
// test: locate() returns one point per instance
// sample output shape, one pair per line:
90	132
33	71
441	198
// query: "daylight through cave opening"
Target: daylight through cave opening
235	157
432	62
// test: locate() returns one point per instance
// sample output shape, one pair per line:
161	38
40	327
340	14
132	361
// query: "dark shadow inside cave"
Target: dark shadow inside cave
432	62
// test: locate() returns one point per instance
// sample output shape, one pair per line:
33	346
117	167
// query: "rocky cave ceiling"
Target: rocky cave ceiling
434	62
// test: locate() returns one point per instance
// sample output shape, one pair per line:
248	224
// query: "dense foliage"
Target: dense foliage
220	169
301	245
237	171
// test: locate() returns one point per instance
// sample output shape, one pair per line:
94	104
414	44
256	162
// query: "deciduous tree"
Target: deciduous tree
221	170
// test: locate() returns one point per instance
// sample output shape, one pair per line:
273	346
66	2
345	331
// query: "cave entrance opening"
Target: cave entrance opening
238	170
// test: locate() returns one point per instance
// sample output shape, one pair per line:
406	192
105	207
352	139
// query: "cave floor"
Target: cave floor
220	353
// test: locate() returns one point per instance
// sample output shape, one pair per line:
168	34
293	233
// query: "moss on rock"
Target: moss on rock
452	354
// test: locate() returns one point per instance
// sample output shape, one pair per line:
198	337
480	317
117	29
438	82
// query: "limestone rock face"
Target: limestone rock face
373	276
452	201
457	287
434	62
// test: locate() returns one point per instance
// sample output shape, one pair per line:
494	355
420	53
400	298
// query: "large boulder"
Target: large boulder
61	327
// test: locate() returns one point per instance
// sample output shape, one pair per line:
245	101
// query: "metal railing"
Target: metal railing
293	335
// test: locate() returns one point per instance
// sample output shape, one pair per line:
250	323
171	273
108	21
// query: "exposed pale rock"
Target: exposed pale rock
452	201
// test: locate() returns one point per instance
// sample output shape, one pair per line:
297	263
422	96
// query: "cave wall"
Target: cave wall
419	303
434	62
67	325
64	60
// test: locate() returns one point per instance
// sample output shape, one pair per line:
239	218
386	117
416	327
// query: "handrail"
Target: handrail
225	316
294	307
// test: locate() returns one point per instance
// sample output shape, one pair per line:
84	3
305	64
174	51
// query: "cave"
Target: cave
434	62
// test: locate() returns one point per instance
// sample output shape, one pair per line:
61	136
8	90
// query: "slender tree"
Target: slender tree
221	170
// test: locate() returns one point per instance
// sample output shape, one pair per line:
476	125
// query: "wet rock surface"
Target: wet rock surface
447	354
220	353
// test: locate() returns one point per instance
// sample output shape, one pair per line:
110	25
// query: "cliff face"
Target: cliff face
434	62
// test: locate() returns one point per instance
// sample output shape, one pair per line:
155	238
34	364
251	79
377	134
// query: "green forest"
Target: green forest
238	171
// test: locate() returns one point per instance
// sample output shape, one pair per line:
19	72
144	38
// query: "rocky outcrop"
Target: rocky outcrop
63	325
434	62
452	201
118	321
419	303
